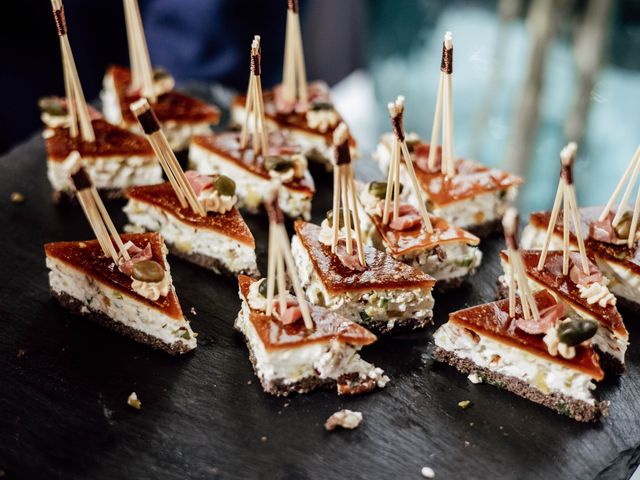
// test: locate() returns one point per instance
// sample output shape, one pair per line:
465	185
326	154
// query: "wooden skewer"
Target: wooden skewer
566	196
337	186
625	196
631	167
151	127
356	214
634	221
141	68
400	151
77	108
254	105
346	210
294	75
444	112
271	272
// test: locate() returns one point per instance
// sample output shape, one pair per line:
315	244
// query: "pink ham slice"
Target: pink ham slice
408	218
352	261
292	312
137	254
315	91
548	318
198	181
578	276
602	231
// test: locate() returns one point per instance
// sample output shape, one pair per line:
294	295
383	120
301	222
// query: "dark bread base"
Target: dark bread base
347	384
381	327
608	362
68	197
449	284
210	263
486	229
77	307
577	409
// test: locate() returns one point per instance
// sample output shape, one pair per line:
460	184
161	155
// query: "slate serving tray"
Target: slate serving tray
64	384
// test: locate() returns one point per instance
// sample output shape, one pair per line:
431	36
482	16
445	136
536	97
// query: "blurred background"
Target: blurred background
528	75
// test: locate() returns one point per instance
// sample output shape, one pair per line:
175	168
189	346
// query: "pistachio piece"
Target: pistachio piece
574	331
379	189
330	218
279	164
321	105
147	271
53	106
225	186
262	288
624	225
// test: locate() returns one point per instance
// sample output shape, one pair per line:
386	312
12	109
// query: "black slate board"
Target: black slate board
64	383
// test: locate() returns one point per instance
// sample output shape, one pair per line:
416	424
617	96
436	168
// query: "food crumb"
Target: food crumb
193	311
474	378
16	197
464	404
133	401
263	438
467	443
21	353
428	472
249	382
343	418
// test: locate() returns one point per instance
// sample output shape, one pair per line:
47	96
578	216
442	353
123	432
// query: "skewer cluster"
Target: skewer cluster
566	198
344	194
517	277
254	106
294	75
632	171
279	256
444	113
97	215
399	150
78	111
151	127
141	69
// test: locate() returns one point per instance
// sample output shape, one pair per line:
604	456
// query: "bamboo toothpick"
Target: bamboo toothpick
344	194
444	113
78	111
254	106
281	263
566	197
97	215
517	275
141	68
632	171
294	75
400	151
151	127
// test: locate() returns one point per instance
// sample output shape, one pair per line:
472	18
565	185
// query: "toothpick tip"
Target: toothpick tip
448	40
568	153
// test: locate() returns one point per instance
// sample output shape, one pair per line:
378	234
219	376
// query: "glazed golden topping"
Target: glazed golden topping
110	141
471	179
562	285
162	196
382	271
400	242
227	145
328	326
169	106
87	256
492	320
621	254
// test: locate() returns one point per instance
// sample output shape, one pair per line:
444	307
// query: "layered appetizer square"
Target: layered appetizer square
288	357
475	198
384	295
543	368
135	299
222	154
181	116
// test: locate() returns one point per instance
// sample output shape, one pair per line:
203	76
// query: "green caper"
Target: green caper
321	105
576	330
379	189
53	106
225	186
624	225
330	218
262	288
279	164
147	271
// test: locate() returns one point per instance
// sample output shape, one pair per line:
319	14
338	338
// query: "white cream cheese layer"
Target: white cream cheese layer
314	146
115	172
622	281
606	340
100	297
542	374
326	360
482	208
178	133
235	256
250	188
392	305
